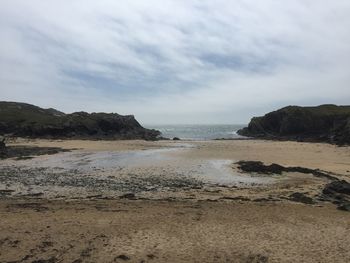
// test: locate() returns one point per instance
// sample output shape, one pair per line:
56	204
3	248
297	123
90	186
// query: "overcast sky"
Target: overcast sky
181	61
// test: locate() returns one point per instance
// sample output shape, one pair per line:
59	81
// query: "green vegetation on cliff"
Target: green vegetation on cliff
25	120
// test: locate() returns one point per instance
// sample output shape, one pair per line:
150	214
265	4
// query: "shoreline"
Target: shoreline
169	166
104	200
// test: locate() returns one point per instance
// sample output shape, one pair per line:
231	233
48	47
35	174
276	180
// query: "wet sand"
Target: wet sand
189	203
312	155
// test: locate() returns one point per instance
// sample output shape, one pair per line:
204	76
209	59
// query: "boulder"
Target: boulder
337	187
339	193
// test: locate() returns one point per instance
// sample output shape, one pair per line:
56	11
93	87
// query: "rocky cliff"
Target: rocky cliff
325	123
25	120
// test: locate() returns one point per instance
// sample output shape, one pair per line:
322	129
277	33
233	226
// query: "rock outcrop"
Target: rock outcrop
339	193
260	168
25	120
3	148
325	123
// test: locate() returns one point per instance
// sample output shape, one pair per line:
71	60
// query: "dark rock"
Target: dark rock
128	196
344	207
176	139
262	200
122	257
239	198
24	158
25	120
151	256
338	192
301	198
337	187
259	167
325	123
3	148
27	152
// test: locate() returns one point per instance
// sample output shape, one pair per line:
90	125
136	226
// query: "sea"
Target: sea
199	131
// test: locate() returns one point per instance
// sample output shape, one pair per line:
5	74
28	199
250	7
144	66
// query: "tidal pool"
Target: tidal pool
165	162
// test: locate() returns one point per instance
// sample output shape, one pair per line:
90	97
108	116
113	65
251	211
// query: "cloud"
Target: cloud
175	61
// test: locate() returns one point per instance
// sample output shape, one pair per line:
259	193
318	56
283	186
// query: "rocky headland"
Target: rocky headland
325	123
26	120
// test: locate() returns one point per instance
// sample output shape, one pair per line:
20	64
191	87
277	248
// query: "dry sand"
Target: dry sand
150	231
212	223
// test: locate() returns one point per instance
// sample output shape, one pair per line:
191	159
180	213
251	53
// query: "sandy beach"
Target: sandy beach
175	131
171	201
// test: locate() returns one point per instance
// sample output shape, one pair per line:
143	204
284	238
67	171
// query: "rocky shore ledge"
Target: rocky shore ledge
26	120
325	123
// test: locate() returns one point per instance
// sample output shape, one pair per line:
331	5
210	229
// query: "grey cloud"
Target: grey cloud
175	61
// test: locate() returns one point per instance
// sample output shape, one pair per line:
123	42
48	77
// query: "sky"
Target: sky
180	61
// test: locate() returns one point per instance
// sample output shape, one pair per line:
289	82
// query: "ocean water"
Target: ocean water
198	132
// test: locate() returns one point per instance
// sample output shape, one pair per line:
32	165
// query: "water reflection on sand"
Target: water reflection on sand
162	162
